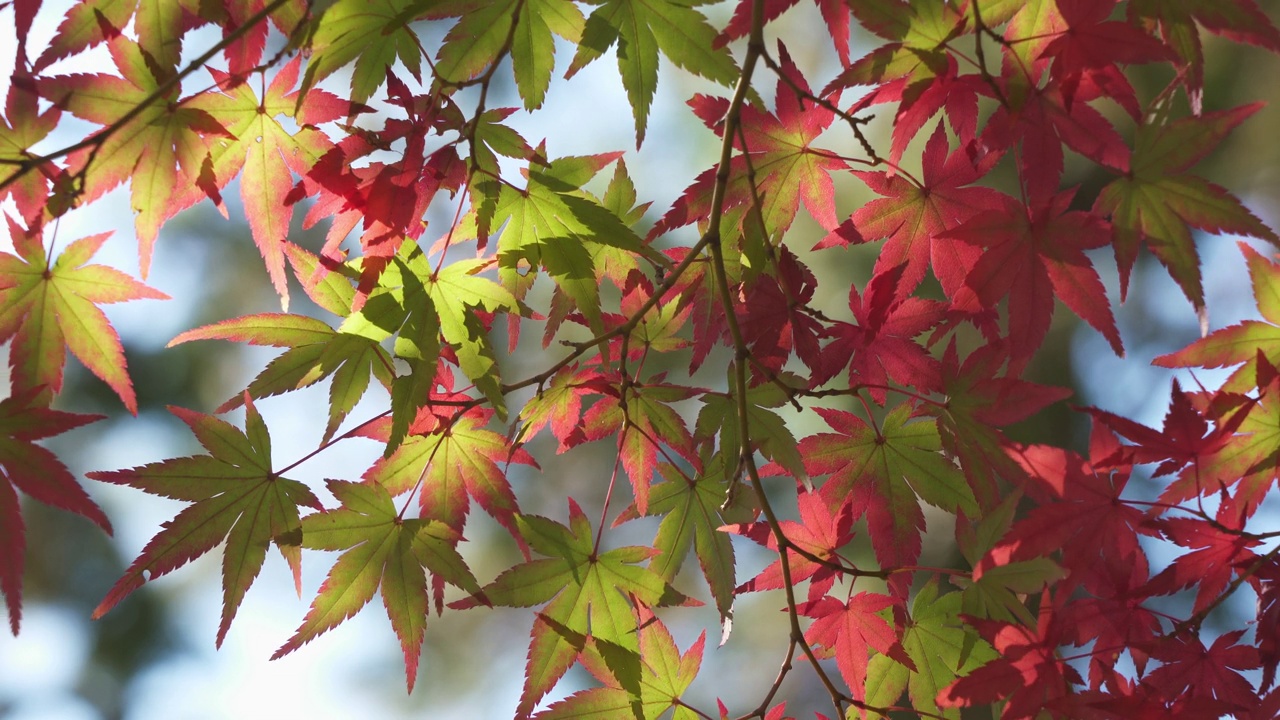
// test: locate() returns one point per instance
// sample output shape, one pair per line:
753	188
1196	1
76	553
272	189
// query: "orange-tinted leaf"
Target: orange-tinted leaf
48	308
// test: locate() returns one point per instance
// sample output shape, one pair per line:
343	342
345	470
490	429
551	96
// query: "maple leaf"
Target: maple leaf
851	630
1207	673
979	401
386	199
647	421
1080	513
425	305
1091	41
693	511
1158	202
835	14
882	346
161	150
1032	255
1028	673
1180	20
912	214
914	69
455	462
1186	443
769	434
39	474
375	34
236	497
819	532
641	28
50	306
555	226
533	49
884	472
1217	552
1113	618
316	351
383	550
1044	119
160	28
781	167
558	405
643	686
1240	343
267	152
777	319
22	127
935	642
587	593
1242	446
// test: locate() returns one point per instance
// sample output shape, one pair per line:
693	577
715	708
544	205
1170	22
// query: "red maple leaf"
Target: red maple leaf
1034	255
912	214
1045	119
39	474
1216	552
1112	617
1091	42
1186	441
834	12
851	631
819	532
881	346
1029	674
1192	672
1080	514
980	400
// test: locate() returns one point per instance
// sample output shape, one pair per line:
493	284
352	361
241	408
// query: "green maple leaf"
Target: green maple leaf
994	594
477	41
1158	202
316	351
383	551
161	150
690	508
375	34
554	226
884	472
935	640
916	31
1240	343
48	308
642	27
237	497
587	594
425	305
643	686
769	432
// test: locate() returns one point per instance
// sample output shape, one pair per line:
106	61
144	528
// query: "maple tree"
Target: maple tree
1053	606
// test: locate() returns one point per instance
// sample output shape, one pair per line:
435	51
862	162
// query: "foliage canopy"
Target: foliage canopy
342	110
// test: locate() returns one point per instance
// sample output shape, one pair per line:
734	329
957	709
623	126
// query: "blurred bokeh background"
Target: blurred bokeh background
153	656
